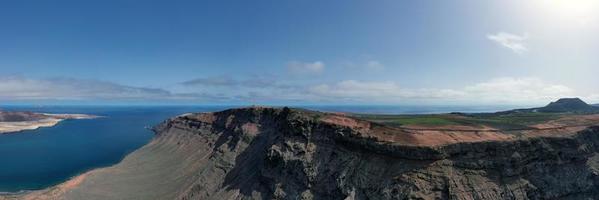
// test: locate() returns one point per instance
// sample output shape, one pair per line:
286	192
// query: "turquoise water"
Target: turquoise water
40	158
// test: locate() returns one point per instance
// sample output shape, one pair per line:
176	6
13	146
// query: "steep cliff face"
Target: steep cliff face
264	153
267	153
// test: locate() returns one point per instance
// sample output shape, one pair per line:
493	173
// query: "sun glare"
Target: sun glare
582	11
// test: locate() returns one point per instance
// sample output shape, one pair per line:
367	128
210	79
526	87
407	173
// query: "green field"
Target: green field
398	120
500	121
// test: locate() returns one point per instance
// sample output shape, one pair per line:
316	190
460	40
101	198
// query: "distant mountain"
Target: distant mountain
568	105
564	105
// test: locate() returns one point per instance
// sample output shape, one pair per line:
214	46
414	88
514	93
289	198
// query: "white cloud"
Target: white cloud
356	90
593	98
375	65
508	90
377	91
365	65
297	67
500	90
514	42
220	82
16	88
215	81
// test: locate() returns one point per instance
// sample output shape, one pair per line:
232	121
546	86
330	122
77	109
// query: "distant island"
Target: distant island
11	122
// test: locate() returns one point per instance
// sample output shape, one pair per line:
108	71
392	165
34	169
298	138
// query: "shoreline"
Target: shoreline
50	121
50	192
58	190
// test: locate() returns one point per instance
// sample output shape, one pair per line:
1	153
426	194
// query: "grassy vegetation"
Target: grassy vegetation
397	120
500	121
517	118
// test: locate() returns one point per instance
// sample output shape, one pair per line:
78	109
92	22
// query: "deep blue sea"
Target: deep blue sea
40	158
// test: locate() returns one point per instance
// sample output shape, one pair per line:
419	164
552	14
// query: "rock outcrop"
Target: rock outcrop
264	153
281	153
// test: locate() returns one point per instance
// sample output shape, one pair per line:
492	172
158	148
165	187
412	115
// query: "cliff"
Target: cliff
286	154
281	153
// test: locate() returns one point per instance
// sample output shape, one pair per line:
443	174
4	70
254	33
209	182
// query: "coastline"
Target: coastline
180	147
51	192
50	121
59	190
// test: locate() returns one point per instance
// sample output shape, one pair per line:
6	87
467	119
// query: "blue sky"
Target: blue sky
298	52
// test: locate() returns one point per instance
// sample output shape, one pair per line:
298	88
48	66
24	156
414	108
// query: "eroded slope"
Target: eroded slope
267	153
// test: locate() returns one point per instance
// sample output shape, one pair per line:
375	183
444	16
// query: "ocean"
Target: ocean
37	159
40	158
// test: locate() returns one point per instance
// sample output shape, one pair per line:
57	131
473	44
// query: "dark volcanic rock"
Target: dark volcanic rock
568	105
564	105
265	153
19	116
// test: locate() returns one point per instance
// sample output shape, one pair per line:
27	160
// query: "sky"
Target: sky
424	52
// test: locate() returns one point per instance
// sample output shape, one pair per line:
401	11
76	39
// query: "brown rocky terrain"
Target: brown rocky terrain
6	116
281	153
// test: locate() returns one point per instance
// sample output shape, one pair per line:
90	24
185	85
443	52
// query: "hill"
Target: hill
282	153
564	105
568	105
